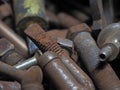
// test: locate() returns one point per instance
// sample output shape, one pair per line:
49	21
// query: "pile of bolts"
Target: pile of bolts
59	45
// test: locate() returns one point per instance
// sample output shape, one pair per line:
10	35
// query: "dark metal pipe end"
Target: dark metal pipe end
105	53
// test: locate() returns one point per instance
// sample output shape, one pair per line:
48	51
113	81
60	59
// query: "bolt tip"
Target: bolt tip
33	30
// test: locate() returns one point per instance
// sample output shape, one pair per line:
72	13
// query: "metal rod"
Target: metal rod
9	34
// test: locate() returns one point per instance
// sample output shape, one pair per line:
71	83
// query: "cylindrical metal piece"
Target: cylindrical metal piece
110	37
46	43
66	20
61	77
105	78
28	12
106	11
9	34
27	63
95	9
89	52
87	48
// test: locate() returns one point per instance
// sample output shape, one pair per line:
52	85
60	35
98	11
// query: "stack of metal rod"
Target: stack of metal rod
59	45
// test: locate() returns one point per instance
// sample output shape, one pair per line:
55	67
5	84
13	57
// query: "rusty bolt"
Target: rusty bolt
46	43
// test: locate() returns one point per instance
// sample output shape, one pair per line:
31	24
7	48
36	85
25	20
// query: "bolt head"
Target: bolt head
74	30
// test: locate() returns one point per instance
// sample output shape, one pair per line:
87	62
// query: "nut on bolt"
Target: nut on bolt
46	43
73	31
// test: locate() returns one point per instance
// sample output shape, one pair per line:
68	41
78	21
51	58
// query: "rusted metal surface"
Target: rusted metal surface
106	79
108	41
46	43
11	71
101	73
27	13
9	34
62	78
62	33
5	85
12	58
73	31
62	19
62	71
67	20
60	37
80	15
5	46
8	53
30	79
5	10
52	17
